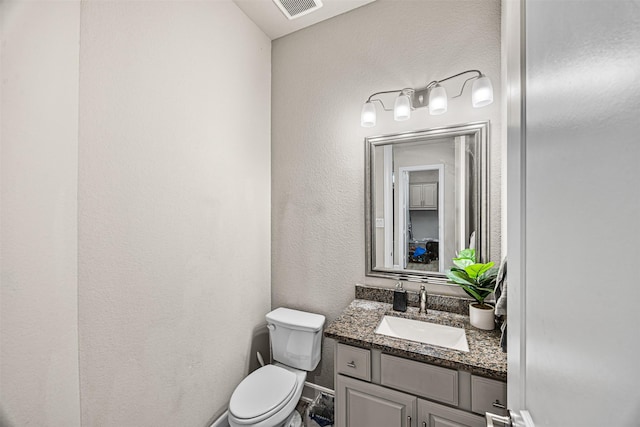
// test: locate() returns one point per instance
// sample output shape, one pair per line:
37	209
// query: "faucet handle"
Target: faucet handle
423	300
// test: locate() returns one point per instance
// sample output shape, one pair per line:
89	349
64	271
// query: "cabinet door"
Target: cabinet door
488	396
430	196
423	196
415	196
431	414
361	404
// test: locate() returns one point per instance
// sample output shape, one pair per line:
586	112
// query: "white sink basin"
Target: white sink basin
424	332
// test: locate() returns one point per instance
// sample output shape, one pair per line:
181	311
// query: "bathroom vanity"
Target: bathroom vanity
382	381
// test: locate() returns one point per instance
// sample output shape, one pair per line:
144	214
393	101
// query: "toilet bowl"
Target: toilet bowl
268	396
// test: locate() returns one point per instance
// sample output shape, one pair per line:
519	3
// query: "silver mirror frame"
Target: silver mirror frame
480	131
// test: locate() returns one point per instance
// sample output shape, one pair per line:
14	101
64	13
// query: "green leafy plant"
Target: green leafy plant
476	279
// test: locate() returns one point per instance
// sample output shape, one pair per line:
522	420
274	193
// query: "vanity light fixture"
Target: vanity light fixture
433	96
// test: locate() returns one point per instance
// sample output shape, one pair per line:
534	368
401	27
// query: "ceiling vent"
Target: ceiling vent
296	8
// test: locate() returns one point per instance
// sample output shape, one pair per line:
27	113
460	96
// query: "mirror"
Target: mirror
426	198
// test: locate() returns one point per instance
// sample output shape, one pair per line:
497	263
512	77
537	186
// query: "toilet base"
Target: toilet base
295	420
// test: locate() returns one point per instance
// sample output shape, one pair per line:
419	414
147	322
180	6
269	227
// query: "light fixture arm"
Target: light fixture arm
380	93
459	74
407	91
437	82
414	94
379	101
465	82
463	86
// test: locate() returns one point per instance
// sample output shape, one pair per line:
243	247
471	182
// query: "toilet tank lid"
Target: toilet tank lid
295	319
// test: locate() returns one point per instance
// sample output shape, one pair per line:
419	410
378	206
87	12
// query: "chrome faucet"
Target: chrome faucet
423	300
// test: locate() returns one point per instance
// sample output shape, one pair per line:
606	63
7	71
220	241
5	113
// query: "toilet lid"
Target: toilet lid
265	390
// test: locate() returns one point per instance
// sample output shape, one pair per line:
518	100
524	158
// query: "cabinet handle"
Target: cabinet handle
408	421
499	405
351	364
424	424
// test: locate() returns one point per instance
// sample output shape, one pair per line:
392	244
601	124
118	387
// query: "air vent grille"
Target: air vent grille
297	8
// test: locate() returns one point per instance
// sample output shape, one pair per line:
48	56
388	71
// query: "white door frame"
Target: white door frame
388	205
462	240
514	85
403	209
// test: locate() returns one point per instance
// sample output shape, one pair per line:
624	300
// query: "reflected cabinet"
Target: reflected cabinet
423	196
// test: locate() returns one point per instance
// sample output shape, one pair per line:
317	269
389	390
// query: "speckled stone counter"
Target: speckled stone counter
357	323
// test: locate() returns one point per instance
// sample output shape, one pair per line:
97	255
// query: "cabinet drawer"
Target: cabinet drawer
432	382
354	361
488	396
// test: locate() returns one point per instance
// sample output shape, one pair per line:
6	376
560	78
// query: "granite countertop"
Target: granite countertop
357	323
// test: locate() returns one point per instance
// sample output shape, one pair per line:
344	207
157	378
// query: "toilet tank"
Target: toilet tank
296	337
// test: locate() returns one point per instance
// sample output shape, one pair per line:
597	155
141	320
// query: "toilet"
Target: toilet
269	395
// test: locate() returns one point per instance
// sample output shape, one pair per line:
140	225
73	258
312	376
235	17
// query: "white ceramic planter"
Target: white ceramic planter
482	318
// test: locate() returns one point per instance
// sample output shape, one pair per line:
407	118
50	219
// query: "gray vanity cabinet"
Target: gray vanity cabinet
362	404
380	390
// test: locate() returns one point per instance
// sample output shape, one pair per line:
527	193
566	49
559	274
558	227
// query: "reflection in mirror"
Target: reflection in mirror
426	200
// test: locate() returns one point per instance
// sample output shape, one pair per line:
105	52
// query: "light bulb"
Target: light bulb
482	92
402	108
368	115
437	101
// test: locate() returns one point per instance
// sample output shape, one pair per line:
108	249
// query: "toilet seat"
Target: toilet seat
263	393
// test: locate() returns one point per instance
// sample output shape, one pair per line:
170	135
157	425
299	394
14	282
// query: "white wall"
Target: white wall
582	210
135	210
174	201
38	232
321	77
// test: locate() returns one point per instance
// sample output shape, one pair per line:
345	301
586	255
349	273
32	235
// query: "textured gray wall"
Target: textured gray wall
174	202
38	233
321	77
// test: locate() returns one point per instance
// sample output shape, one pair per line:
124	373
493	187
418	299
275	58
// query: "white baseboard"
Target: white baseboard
221	421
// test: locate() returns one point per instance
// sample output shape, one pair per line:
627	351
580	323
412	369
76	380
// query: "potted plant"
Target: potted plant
478	280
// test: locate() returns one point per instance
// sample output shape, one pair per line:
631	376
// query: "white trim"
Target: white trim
403	208
222	420
403	190
461	194
441	229
388	206
514	89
